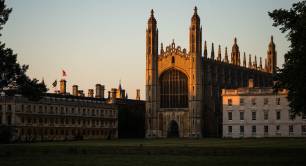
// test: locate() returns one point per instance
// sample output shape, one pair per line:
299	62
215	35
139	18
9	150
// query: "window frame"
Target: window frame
266	114
278	115
241	115
230	102
254	115
230	115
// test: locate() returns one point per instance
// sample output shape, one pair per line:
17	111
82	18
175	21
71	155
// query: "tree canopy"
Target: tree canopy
292	75
12	74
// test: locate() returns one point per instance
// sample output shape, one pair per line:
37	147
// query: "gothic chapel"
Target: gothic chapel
183	88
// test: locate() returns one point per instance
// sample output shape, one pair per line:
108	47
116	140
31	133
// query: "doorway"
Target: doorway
173	130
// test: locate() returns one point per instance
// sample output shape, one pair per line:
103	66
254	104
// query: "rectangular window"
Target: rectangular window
241	115
277	128
230	129
253	129
290	128
230	115
266	101
304	129
241	101
266	129
229	102
0	107
277	101
278	115
253	101
253	115
241	129
266	114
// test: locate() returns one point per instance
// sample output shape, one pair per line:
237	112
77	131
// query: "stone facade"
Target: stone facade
259	112
59	117
183	88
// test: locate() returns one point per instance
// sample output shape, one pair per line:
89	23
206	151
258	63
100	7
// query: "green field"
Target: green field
274	151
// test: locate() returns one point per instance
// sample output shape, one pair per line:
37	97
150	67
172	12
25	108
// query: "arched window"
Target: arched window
173	89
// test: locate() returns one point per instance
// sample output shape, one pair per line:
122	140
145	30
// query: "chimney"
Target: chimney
251	83
90	93
113	95
63	86
75	90
100	91
137	94
81	93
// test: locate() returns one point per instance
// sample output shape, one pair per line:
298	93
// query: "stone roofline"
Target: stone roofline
256	91
172	50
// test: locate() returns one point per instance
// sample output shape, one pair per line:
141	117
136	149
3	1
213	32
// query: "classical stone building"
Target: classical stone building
60	116
259	112
65	116
183	88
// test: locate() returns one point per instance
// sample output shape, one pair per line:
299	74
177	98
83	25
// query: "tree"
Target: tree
12	74
292	75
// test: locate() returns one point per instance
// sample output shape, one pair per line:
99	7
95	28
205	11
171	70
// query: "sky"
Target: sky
103	41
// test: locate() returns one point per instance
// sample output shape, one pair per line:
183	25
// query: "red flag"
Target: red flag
64	73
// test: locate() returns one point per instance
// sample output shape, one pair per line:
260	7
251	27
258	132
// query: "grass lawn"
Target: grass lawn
272	151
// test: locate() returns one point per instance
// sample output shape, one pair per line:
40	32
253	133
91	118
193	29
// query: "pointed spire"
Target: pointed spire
266	65
255	62
195	17
205	50
272	57
212	56
219	53
250	61
271	40
43	81
271	44
260	63
119	87
152	18
195	10
161	48
244	60
226	56
235	55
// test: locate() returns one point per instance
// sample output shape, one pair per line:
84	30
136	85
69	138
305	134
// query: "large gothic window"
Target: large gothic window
173	89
